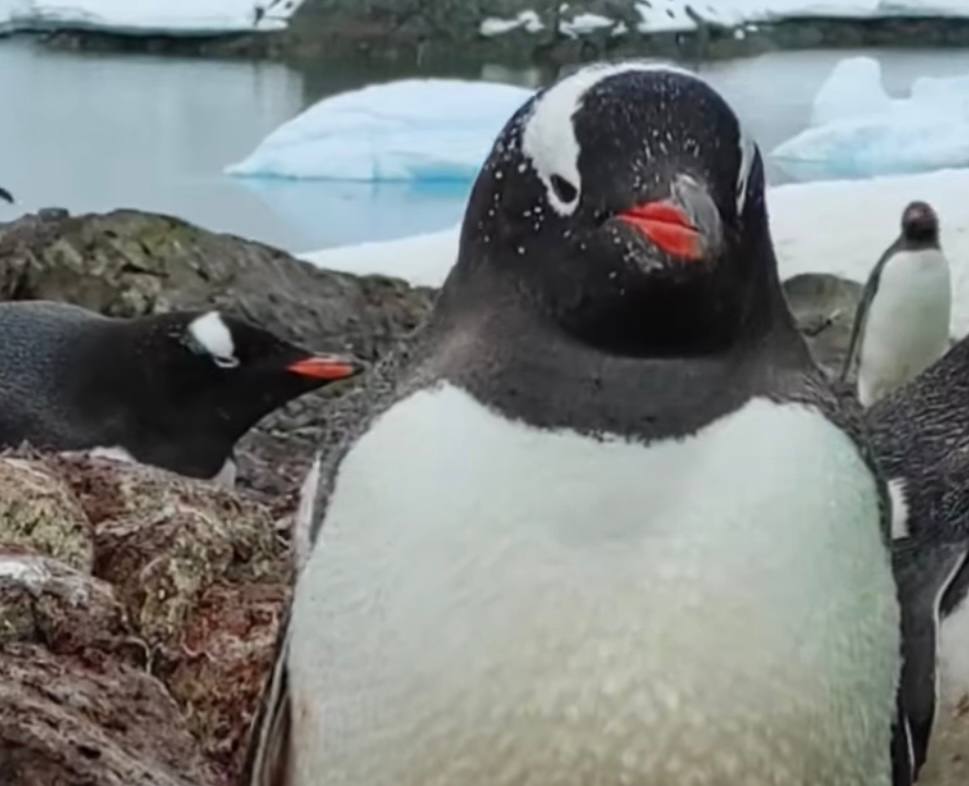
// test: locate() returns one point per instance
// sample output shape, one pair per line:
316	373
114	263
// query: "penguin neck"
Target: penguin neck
509	355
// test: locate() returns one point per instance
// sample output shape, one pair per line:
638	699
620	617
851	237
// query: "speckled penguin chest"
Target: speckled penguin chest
494	604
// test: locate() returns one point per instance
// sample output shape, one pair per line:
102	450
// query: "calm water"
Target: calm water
92	132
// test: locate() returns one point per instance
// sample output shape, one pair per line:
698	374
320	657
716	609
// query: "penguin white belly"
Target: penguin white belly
908	322
493	604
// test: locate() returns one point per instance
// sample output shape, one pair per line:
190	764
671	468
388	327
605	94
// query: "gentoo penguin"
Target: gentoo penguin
605	522
174	390
6	195
920	435
902	323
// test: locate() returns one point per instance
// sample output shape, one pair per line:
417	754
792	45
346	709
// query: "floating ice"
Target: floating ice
859	131
413	129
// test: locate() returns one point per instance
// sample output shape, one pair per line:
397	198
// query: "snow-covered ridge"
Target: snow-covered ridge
659	16
148	17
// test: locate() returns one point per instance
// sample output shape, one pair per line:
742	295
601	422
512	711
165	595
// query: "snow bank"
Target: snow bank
859	131
423	260
674	16
413	129
145	17
528	21
838	227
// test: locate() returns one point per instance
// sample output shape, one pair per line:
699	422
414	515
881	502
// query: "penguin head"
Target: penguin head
920	224
211	372
626	203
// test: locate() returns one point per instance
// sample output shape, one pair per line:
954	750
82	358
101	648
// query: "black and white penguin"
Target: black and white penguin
605	522
174	390
920	436
902	323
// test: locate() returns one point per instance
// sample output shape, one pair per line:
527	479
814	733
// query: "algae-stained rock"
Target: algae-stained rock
44	601
66	719
129	263
40	512
204	579
174	634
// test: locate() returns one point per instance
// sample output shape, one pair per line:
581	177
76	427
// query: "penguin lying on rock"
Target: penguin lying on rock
605	522
902	323
173	390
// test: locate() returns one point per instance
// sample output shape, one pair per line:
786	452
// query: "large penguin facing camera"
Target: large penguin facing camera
605	522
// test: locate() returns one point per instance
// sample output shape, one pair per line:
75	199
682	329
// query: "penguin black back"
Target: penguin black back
173	390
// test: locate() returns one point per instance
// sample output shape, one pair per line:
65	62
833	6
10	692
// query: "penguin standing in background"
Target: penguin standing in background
902	323
605	521
174	390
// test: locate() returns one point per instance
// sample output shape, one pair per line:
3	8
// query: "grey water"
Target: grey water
95	132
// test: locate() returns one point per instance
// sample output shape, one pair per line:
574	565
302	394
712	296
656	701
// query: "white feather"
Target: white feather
491	604
214	336
908	322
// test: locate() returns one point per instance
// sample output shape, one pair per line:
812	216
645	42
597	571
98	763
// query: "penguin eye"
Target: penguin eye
225	362
564	190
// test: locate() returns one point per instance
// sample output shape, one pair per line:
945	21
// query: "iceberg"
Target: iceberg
412	129
859	131
148	17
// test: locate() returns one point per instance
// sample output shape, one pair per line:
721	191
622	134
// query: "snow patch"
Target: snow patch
528	21
412	129
423	260
584	24
24	570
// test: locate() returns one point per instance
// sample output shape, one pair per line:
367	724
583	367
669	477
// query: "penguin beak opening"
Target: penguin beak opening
667	227
326	367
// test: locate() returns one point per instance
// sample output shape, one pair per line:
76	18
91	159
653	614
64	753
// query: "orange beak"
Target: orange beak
668	228
328	367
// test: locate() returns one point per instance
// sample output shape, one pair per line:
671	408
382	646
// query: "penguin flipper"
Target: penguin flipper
6	195
924	570
861	313
267	760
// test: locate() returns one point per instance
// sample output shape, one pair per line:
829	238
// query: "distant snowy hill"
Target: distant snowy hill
147	17
667	16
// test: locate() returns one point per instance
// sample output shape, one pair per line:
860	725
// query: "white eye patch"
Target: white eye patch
211	334
549	141
550	145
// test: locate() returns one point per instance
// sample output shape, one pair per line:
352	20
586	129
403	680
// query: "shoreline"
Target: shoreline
329	37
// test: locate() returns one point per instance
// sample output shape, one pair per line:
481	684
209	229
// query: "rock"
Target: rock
38	508
129	263
824	308
172	636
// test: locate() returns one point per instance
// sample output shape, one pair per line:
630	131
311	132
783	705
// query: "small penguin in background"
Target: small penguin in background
174	390
605	521
902	323
6	196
